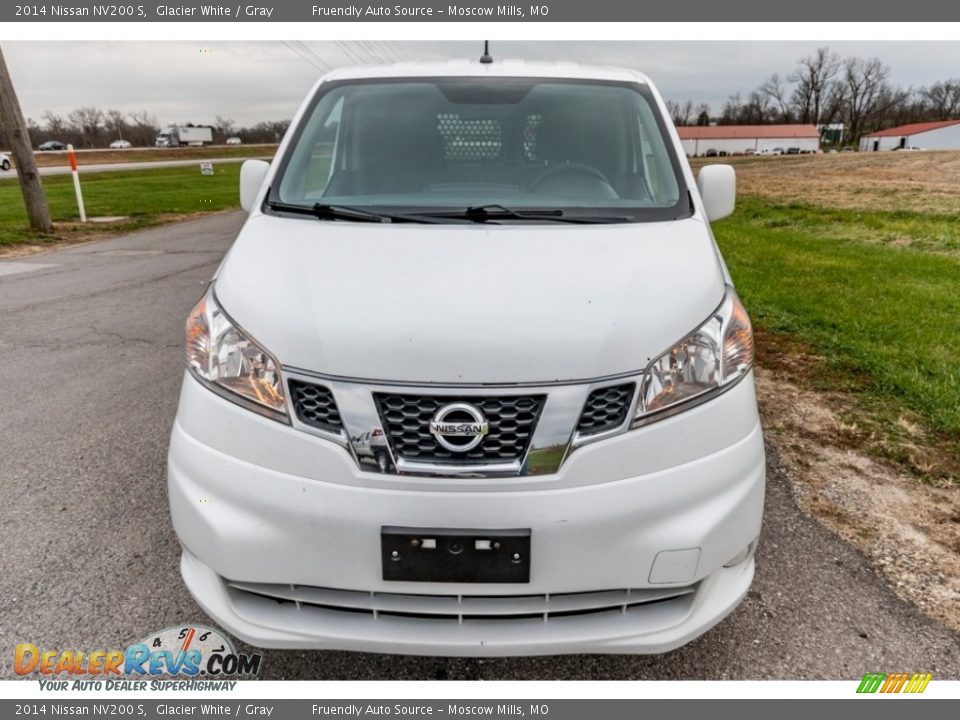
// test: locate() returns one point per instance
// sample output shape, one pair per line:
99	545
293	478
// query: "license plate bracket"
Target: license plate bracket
455	556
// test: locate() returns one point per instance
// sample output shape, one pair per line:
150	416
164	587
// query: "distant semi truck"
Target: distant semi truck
183	136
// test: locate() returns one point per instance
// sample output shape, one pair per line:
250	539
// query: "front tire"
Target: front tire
6	165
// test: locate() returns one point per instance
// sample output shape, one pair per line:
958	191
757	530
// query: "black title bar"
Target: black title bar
322	11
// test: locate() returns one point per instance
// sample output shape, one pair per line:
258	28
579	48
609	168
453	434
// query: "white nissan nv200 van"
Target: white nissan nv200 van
473	379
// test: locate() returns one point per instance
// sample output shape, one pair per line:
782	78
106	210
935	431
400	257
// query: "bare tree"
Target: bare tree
731	110
867	95
757	110
680	113
223	127
143	128
54	124
88	123
116	125
814	78
777	93
943	99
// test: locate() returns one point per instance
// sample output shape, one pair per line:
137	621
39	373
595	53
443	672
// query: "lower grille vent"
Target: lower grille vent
460	608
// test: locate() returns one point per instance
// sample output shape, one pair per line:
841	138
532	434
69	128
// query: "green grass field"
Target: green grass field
146	197
876	294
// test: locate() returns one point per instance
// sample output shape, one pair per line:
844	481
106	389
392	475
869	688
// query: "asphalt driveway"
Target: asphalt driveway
90	365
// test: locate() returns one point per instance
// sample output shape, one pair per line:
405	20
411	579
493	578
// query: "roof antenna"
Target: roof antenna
486	58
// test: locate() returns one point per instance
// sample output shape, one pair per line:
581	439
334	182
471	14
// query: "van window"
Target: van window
523	143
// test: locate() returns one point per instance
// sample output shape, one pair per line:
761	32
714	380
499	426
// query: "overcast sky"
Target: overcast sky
249	82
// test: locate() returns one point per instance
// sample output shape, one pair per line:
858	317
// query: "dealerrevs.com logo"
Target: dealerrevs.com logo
188	651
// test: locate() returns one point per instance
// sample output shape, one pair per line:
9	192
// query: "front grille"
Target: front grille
457	608
406	421
315	406
606	409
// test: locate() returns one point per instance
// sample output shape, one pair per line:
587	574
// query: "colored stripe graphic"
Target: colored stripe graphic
894	683
871	682
918	683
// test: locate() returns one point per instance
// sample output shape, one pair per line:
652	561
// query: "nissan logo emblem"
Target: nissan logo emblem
459	427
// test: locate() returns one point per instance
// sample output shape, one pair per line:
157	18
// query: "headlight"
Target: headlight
231	363
709	360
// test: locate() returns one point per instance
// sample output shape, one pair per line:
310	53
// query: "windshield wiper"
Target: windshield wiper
495	211
346	212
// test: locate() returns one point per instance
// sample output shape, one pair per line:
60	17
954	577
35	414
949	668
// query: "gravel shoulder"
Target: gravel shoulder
92	351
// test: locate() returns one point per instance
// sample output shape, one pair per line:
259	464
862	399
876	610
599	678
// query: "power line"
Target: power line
327	66
387	50
351	55
303	57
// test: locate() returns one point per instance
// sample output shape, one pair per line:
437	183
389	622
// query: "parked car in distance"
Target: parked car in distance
4	161
120	145
750	151
234	140
710	153
793	151
538	466
52	145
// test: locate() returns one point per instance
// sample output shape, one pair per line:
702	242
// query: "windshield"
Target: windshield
416	145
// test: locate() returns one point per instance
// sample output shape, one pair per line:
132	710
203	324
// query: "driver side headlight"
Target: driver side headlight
231	363
705	363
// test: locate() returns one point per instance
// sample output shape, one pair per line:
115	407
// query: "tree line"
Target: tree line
826	89
93	127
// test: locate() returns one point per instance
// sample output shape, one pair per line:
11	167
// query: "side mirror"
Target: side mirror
252	173
718	190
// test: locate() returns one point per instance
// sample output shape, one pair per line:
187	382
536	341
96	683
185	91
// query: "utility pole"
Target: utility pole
15	133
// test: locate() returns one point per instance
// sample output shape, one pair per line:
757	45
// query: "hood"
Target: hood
470	304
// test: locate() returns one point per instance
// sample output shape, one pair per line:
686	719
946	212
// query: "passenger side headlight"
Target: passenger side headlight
709	360
231	363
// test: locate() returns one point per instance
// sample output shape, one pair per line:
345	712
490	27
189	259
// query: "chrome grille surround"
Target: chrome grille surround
554	434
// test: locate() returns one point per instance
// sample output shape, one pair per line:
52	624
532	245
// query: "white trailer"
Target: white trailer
185	135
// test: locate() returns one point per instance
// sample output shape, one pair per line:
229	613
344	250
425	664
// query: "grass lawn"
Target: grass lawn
876	294
873	290
138	154
146	197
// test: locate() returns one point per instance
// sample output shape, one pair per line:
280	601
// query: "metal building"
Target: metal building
941	135
748	139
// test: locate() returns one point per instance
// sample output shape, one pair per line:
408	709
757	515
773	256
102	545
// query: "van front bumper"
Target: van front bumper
639	543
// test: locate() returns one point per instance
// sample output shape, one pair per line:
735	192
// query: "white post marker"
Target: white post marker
71	153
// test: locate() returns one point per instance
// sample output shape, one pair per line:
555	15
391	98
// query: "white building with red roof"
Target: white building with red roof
940	135
748	139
